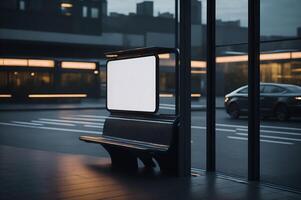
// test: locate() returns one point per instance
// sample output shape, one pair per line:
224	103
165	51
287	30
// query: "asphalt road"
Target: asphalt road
59	131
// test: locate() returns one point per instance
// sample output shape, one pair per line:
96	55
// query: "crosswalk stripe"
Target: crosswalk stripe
218	124
51	128
261	140
166	108
68	121
240	129
232	125
276	132
93	126
27	123
198	127
139	120
90	121
261	126
218	129
168	105
281	127
84	119
52	123
93	116
272	137
142	120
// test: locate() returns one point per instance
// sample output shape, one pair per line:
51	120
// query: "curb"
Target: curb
83	108
41	109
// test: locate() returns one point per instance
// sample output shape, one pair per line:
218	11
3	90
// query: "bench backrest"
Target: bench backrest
158	130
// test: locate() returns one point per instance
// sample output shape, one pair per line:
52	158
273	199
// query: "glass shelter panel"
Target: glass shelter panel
198	84
280	101
231	88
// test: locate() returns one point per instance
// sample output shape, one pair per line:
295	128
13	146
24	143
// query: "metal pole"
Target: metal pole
176	23
254	90
211	43
185	90
177	56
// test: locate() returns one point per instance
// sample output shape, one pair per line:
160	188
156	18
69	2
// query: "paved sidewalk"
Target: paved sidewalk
34	174
197	105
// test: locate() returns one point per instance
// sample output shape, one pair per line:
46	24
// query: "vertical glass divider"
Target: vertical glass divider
185	89
211	69
253	90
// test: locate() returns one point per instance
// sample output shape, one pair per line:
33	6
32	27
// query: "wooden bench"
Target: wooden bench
134	131
148	138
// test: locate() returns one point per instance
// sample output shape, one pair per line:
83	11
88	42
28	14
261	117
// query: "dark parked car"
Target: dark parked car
276	100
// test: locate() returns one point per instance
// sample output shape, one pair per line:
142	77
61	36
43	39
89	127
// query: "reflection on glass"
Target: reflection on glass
231	109
198	84
279	19
280	109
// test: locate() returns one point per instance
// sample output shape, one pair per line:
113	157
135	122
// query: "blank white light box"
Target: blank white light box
132	84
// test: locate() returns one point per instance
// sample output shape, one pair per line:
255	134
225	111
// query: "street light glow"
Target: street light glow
78	65
5	95
57	95
40	63
66	5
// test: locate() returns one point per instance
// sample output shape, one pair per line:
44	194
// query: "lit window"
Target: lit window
66	9
22	5
94	12
85	11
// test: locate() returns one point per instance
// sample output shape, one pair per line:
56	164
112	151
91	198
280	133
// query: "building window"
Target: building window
94	12
21	5
66	9
85	11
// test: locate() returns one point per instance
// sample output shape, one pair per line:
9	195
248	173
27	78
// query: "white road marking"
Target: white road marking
68	121
173	107
225	130
267	141
93	116
262	126
27	123
93	126
232	125
281	127
225	125
199	127
272	137
89	122
168	105
52	123
166	108
142	120
52	128
218	129
269	131
84	119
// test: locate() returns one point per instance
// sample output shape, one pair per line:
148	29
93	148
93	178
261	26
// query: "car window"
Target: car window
294	88
272	89
244	91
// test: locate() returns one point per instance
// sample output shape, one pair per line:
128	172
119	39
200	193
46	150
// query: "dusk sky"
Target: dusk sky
278	17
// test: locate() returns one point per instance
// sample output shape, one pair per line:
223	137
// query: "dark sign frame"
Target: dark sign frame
157	85
143	52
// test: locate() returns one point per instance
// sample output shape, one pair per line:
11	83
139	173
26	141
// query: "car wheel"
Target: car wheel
234	111
282	113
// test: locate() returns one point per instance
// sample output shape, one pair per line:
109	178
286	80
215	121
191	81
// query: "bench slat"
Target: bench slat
133	144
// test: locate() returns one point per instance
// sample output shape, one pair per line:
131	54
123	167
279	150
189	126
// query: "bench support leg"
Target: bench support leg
147	161
168	164
122	160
